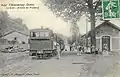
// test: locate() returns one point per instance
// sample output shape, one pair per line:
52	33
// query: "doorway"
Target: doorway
106	42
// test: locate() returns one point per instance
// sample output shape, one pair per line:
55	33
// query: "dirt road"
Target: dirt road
69	65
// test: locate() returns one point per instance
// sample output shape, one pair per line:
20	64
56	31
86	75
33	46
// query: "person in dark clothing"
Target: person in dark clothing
70	47
82	48
79	50
96	51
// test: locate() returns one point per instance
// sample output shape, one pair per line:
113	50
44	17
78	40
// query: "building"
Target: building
20	37
108	34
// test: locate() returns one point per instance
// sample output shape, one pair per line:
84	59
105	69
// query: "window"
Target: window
46	34
35	34
41	34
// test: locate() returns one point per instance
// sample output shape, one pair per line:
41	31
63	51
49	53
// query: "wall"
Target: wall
20	37
106	29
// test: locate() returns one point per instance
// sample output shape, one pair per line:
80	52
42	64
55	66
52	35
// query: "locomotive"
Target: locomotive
41	43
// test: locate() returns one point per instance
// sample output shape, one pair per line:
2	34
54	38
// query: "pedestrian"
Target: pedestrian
58	50
96	51
70	47
89	50
93	49
82	48
105	51
79	50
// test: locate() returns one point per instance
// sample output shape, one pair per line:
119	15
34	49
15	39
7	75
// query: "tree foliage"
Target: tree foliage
72	10
3	20
68	10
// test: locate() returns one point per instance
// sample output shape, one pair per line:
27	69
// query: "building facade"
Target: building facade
21	38
107	34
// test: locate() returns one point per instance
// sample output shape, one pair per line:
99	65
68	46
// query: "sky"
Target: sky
35	18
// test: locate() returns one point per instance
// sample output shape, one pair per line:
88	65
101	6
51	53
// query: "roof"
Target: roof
12	32
105	22
40	29
111	24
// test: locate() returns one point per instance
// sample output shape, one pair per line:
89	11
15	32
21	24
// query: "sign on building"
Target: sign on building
110	9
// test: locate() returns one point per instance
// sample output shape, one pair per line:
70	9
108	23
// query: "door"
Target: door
106	42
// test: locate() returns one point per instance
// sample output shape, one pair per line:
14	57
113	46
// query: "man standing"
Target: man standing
82	49
70	47
58	50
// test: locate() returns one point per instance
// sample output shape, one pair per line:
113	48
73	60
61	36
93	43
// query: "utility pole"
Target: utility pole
86	29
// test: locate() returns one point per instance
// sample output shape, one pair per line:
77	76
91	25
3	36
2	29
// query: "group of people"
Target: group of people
91	49
81	49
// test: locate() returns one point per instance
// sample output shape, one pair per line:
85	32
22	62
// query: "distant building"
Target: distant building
20	37
15	38
106	33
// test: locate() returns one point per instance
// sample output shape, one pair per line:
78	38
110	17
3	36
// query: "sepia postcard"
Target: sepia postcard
59	38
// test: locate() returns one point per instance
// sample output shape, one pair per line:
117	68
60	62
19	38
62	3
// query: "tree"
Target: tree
3	21
68	13
72	10
92	9
75	31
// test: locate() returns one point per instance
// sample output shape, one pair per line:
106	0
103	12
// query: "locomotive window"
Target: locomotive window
33	34
46	34
41	34
37	34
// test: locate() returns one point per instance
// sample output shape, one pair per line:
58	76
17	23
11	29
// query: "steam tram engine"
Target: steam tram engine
42	43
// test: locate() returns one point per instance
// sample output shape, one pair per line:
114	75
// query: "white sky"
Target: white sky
42	17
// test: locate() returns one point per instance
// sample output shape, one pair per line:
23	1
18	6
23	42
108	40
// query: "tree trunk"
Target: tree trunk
92	20
93	33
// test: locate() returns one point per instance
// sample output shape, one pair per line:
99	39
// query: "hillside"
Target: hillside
8	24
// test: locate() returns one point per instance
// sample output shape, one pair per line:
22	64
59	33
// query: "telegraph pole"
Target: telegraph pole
86	29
